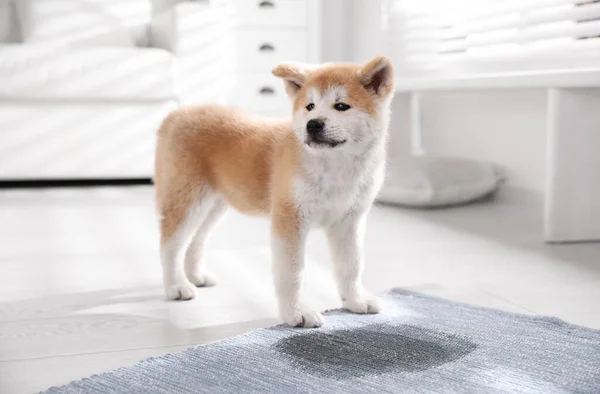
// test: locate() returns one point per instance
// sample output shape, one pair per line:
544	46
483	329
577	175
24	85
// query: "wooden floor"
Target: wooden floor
80	286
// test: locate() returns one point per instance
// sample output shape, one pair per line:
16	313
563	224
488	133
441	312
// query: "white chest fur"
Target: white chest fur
334	185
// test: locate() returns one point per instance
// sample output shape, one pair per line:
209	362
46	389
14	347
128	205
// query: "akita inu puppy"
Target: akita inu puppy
323	169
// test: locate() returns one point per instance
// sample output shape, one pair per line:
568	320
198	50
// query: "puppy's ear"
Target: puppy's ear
294	76
377	76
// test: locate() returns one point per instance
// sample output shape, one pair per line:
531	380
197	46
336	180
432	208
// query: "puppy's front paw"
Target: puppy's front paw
202	279
302	316
180	291
363	303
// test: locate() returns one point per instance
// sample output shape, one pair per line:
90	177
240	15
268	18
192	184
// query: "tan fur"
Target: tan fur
228	151
377	76
345	76
352	76
211	156
248	161
294	76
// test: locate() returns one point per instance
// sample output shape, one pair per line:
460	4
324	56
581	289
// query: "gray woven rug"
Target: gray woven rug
418	344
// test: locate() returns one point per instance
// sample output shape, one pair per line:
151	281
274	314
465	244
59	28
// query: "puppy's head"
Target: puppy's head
339	106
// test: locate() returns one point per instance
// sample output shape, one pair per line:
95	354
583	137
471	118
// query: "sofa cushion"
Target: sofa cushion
50	72
85	22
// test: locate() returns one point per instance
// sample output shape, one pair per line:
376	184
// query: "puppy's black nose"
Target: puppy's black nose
315	126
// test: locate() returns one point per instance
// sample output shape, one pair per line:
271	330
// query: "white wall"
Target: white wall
334	46
349	30
507	127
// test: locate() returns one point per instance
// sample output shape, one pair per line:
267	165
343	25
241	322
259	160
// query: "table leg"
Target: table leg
572	203
416	127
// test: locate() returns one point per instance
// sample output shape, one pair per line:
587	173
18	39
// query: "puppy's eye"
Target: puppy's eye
310	107
341	107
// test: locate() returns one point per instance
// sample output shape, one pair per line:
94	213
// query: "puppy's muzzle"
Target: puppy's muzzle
315	128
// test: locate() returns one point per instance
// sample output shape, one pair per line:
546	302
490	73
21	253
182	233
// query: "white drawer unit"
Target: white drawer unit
261	93
263	13
268	32
260	50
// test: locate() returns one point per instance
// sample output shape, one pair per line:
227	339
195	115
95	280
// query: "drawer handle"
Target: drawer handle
266	4
267	91
266	48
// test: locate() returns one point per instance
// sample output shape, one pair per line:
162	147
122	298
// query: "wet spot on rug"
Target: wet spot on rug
373	349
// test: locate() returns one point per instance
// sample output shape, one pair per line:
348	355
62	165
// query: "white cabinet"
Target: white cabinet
260	93
272	13
261	50
266	33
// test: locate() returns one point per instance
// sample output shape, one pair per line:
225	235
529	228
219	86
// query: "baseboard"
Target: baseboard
55	183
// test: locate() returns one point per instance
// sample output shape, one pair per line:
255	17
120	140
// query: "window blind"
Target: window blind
425	34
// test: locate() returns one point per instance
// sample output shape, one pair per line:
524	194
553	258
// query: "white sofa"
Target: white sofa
84	84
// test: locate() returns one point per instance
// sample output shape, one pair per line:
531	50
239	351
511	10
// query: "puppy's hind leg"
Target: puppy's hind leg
182	214
195	266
